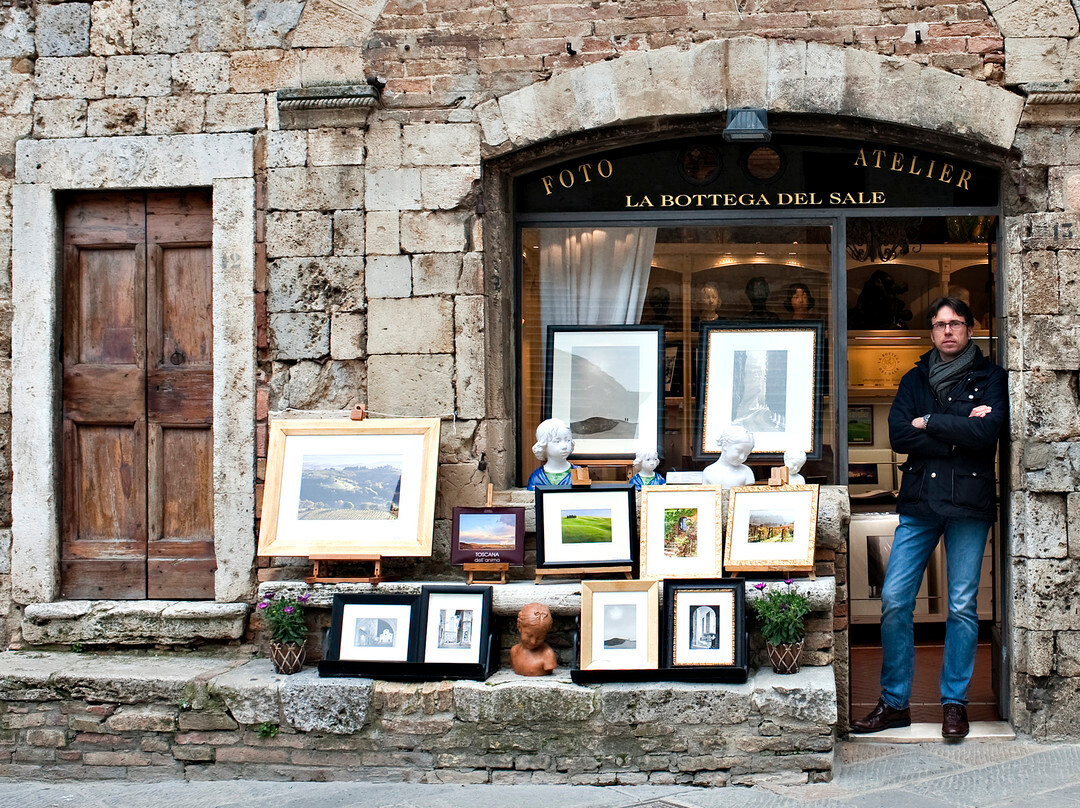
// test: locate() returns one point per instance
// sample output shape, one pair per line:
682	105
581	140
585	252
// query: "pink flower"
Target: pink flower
759	587
789	581
288	610
263	605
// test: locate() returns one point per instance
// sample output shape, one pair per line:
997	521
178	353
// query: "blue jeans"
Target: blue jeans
913	544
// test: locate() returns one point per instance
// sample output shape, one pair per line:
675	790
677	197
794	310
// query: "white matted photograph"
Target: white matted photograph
771	528
607	383
704	629
681	532
619	625
455	624
761	378
372	631
583	526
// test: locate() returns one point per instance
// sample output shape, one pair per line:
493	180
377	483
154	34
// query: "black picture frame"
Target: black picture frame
620	498
768	446
339	619
559	405
472	555
860	416
729	587
478	650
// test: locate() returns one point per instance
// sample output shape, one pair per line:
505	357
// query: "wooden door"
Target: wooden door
137	382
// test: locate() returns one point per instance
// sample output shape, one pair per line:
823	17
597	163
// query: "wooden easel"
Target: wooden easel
500	567
321	574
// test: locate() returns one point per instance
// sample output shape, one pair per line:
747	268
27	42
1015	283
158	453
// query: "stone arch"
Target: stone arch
781	76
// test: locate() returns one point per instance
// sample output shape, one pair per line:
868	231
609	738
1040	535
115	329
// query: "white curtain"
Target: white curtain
594	276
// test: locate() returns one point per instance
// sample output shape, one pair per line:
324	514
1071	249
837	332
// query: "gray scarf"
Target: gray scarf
944	376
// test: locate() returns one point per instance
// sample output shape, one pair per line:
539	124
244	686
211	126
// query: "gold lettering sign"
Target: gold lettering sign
583	173
754	200
900	162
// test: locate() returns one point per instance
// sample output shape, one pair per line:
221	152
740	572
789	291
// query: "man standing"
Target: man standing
947	416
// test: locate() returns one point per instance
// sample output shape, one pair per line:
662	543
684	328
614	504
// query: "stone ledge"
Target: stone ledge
137	622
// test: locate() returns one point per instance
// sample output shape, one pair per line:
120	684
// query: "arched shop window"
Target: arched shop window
668	290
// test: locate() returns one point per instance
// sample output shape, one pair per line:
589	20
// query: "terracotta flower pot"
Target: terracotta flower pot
785	657
288	657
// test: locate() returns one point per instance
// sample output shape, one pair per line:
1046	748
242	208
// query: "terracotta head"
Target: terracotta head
534	622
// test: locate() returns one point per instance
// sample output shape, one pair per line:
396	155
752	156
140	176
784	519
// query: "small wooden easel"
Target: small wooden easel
500	567
579	478
321	574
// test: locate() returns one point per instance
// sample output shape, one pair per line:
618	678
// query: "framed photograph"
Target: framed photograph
870	544
771	528
587	526
455	624
705	623
374	628
619	625
860	425
488	535
763	378
343	488
673	385
607	383
681	532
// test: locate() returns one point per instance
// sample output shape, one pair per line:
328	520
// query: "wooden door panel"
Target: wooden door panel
112	217
184	397
186	308
102	579
109	307
104	395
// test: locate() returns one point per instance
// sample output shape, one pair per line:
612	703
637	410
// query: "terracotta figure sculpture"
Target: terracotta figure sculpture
533	656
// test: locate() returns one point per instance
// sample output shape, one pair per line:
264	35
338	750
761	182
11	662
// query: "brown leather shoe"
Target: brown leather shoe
954	722
882	717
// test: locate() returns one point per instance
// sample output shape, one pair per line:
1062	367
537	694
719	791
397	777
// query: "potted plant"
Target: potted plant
780	612
285	616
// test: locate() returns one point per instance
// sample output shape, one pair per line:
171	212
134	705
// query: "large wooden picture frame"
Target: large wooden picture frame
620	625
607	383
681	532
344	489
771	528
763	378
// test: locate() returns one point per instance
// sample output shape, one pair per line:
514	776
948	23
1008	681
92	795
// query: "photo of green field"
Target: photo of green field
680	532
586	526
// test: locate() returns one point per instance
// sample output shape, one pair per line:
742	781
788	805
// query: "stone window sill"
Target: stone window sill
132	622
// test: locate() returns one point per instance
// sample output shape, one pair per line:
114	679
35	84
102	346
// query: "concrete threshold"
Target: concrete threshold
981	732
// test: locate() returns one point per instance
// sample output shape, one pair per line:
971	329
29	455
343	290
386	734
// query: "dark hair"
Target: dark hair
791	293
954	303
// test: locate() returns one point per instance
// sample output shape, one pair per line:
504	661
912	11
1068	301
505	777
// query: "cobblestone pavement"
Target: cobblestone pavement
984	775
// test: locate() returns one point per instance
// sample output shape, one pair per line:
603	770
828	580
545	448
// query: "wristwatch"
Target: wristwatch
926	420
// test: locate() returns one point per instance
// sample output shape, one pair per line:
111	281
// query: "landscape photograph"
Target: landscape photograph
605	401
350	487
487	531
776	525
586	526
681	532
620	626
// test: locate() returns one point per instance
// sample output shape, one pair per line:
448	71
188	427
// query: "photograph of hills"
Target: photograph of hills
350	487
605	400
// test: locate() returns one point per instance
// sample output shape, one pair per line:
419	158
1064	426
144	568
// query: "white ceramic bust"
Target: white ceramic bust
730	469
794	460
553	447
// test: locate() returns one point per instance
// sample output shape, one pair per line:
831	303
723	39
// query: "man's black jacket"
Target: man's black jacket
950	465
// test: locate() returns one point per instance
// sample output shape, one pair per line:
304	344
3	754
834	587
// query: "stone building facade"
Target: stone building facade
361	156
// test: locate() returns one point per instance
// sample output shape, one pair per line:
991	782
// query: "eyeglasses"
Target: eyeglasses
952	325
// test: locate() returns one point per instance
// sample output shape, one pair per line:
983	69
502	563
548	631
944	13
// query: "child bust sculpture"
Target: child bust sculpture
645	463
554	444
730	469
794	460
533	656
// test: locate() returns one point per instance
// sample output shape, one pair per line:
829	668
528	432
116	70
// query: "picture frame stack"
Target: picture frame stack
444	632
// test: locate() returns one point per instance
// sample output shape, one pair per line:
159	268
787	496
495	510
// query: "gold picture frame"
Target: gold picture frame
681	532
620	625
306	511
771	528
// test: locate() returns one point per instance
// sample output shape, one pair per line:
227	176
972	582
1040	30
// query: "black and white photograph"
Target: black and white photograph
374	632
607	384
704	623
372	627
456	622
620	626
703	627
759	391
455	628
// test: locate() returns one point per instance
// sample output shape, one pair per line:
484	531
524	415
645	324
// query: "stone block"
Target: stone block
411	385
264	70
337	706
388	276
1043	598
1039	529
326	24
676	704
1037	18
447	188
17	33
221	25
493	129
163	26
183	114
1049	405
389	318
16	94
138	75
459	484
299	336
49	738
427	144
383	144
269	21
286	148
1072	511
1067	660
383	236
1039	275
116	116
321	66
1034	652
326	188
110	27
234	113
59	119
299	233
5	551
392	189
143	718
349	232
1034	59
470	356
1051	343
201	72
63	30
347	335
434	232
334	385
438	274
336	147
531	701
250	692
78	77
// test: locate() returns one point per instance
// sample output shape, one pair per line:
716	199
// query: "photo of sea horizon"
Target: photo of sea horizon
362	487
487	531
